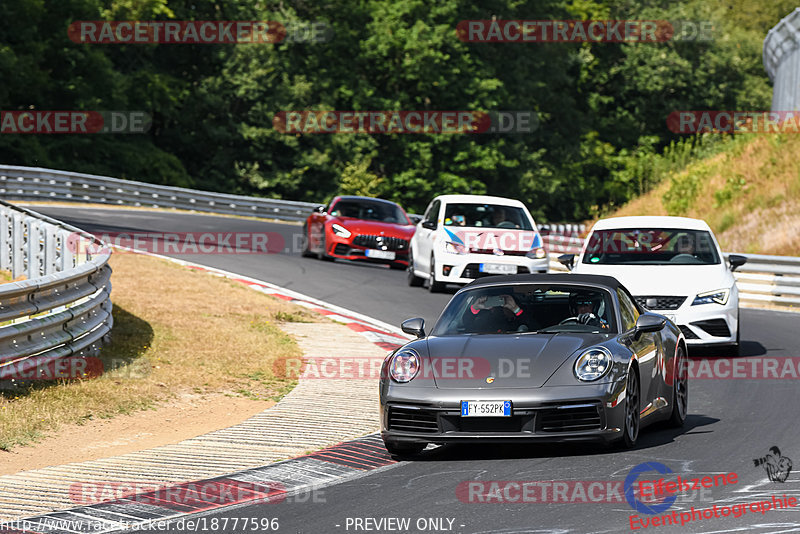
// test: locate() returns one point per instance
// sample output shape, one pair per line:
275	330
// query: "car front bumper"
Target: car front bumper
556	414
706	324
464	268
345	249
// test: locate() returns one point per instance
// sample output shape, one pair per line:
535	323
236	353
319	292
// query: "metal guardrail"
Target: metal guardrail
63	307
770	279
37	184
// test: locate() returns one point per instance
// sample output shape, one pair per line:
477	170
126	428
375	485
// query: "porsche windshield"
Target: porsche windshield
651	246
527	308
486	216
369	211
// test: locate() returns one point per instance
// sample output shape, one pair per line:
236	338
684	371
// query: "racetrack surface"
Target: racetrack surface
730	423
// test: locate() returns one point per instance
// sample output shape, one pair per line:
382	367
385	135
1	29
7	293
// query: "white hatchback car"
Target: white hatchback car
672	266
464	237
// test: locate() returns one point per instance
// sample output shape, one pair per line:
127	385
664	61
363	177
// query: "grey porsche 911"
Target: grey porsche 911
556	357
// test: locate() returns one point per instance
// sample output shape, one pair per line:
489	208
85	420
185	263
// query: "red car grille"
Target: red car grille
380	242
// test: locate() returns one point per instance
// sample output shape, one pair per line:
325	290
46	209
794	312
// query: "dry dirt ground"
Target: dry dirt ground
172	422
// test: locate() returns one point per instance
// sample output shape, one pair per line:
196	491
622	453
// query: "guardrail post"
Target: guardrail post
17	244
6	227
49	264
35	248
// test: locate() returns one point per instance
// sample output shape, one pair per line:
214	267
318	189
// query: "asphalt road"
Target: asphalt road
730	423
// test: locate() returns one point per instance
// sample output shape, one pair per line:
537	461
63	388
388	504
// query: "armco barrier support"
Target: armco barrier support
33	183
63	306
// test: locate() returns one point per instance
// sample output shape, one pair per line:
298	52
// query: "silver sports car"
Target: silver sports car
561	357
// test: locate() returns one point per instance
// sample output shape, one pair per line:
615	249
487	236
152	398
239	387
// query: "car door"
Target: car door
648	349
423	238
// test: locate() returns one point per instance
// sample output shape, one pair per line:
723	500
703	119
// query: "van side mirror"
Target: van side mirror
415	327
567	260
319	209
430	225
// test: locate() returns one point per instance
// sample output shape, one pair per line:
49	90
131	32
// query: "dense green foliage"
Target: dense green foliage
603	106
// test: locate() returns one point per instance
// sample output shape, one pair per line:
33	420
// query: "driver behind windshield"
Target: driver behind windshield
585	308
494	314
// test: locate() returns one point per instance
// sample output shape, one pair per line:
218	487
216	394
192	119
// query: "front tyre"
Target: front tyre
630	430
413	279
323	252
306	251
680	389
433	285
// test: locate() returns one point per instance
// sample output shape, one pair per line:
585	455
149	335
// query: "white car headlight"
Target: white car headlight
404	365
720	296
593	364
340	230
536	253
454	248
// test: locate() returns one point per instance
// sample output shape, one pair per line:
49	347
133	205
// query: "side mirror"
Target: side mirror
415	327
415	219
649	322
736	261
319	209
430	225
567	260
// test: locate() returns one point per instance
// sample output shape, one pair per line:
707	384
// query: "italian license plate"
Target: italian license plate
485	408
380	254
498	268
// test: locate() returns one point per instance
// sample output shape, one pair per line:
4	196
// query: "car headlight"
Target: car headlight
594	363
720	296
404	365
536	253
340	230
454	248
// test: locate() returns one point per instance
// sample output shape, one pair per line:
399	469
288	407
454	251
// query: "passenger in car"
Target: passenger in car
495	314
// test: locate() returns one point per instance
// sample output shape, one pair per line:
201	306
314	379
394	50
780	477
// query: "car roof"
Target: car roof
554	278
651	221
354	197
487	199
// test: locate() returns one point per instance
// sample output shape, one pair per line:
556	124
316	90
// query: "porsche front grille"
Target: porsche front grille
380	242
569	419
411	420
659	302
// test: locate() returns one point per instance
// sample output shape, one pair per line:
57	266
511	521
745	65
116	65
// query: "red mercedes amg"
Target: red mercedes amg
359	228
